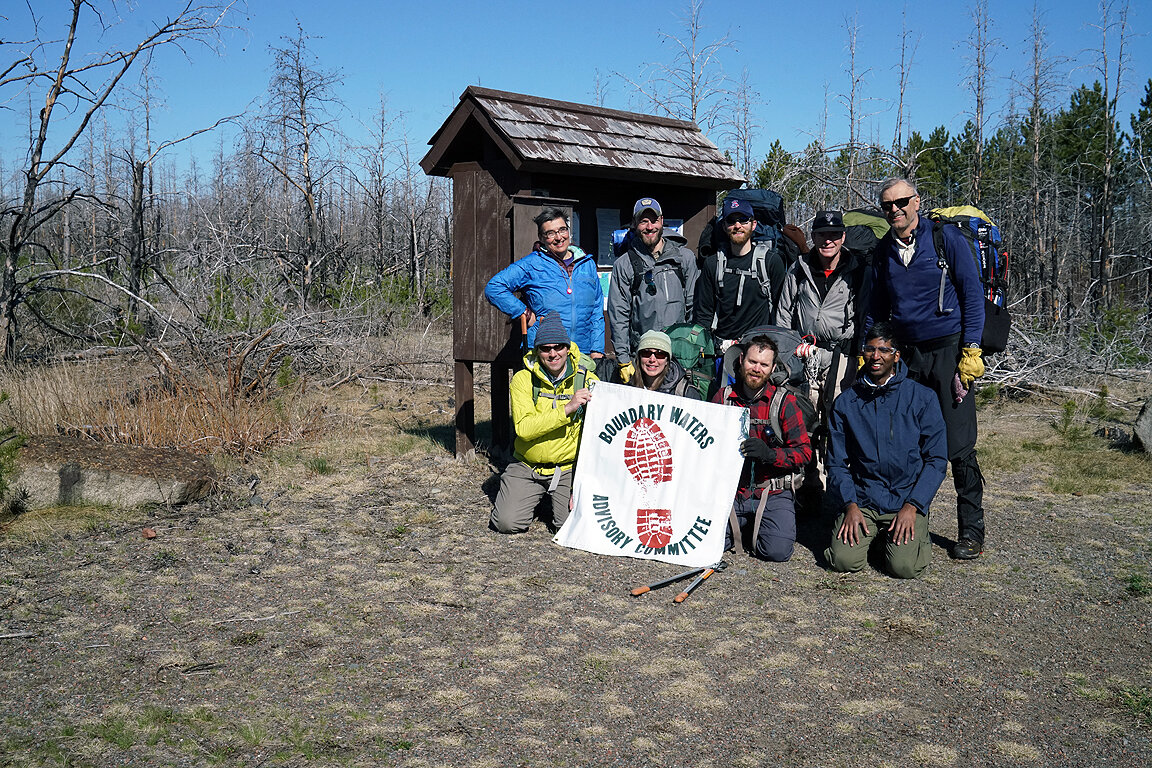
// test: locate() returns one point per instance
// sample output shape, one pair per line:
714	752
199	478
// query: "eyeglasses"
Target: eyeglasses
550	348
659	354
736	219
900	202
555	234
651	283
871	350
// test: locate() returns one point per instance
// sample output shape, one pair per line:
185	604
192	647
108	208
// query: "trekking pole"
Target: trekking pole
699	580
665	582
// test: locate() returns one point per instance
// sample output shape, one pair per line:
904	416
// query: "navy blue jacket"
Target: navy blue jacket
887	445
908	295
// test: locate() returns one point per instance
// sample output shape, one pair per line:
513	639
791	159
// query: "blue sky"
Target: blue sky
421	56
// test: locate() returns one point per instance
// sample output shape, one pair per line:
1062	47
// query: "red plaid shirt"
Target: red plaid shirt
788	458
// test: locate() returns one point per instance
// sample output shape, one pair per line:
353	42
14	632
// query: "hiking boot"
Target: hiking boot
966	549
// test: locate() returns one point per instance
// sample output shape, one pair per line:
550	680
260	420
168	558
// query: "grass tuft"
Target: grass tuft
1138	585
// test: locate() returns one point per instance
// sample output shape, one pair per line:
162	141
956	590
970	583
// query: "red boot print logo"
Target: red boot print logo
648	457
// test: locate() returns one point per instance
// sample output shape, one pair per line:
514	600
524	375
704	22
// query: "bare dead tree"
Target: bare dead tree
907	57
692	85
600	88
379	161
855	105
1040	85
980	64
740	126
1113	68
296	129
53	73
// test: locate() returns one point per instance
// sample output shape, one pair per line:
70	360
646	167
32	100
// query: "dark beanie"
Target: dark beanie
551	330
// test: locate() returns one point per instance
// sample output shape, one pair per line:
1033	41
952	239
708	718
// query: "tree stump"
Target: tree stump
1142	429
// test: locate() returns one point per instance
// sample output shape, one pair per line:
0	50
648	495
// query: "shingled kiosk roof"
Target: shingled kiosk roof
538	134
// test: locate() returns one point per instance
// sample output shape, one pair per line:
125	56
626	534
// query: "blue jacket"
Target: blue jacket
887	445
908	295
549	288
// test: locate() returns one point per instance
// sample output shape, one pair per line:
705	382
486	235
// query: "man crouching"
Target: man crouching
548	398
887	455
776	450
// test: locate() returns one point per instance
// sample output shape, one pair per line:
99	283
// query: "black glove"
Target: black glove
756	449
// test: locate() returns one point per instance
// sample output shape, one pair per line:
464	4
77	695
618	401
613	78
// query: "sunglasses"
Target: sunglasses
900	202
651	283
734	220
549	348
659	354
871	350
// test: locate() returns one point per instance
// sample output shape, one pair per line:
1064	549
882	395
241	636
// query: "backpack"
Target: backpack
584	365
986	247
787	377
695	350
863	228
767	208
789	367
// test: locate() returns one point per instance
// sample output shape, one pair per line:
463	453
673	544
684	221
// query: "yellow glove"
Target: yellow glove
627	371
971	365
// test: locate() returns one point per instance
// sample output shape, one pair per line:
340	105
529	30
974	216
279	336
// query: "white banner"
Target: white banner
656	476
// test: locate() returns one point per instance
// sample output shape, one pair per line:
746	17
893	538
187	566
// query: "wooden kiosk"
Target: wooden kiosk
508	156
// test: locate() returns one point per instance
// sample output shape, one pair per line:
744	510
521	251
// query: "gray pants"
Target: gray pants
520	492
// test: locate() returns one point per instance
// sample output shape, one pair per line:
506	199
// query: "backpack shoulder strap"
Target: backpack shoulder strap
721	266
638	269
943	263
583	365
760	266
775	407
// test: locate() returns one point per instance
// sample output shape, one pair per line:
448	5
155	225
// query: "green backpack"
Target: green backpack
584	365
695	350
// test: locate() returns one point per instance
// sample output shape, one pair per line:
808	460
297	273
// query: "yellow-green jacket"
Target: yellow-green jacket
545	436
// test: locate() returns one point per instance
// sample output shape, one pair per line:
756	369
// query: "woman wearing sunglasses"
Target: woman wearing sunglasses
657	370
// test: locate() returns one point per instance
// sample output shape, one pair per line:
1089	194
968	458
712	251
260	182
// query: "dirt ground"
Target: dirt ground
368	617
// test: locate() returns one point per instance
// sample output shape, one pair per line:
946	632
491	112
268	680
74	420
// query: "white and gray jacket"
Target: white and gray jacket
834	320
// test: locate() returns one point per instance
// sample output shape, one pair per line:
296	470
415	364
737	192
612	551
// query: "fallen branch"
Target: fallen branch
258	618
408	381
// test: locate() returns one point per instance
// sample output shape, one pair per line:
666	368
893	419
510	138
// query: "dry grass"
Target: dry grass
118	403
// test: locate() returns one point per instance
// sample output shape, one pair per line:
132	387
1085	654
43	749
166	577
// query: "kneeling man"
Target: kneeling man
887	455
775	452
548	398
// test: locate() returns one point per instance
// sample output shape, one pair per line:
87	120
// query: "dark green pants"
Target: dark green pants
904	561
